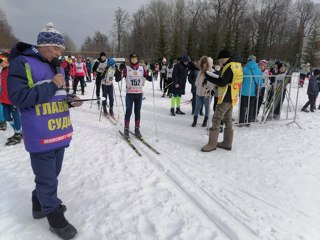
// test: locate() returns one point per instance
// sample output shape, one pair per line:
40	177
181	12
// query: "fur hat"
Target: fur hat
316	72
252	58
185	58
49	36
224	54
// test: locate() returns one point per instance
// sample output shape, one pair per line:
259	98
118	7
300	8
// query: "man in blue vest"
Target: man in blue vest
35	86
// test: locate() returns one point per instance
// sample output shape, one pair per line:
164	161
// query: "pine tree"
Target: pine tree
175	50
310	50
227	40
162	43
190	44
245	51
213	46
258	45
236	42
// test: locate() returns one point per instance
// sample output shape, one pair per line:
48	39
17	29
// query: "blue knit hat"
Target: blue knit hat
111	62
50	37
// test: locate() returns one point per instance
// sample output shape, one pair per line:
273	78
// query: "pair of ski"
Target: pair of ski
141	140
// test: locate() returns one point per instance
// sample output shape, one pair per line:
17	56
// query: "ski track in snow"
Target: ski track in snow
265	188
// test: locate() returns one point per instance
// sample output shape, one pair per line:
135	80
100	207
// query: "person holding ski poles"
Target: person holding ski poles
135	76
107	85
35	86
99	67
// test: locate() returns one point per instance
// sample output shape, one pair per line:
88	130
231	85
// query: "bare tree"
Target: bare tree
121	25
98	43
7	38
69	44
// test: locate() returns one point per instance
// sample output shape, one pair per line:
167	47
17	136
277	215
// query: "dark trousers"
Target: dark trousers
261	97
76	80
46	168
311	102
131	99
193	100
247	113
11	114
89	76
168	86
107	91
162	80
279	106
67	77
98	85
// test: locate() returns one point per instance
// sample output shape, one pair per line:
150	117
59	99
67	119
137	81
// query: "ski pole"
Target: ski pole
82	100
94	87
154	111
121	95
101	107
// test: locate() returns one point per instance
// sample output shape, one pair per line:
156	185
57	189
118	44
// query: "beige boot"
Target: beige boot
212	144
227	139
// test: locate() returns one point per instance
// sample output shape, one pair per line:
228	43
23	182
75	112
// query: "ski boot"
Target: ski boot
3	126
111	112
178	111
15	139
304	110
137	132
105	111
126	133
172	112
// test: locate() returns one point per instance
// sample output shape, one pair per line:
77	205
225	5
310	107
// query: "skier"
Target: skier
80	71
179	77
168	86
99	67
107	85
35	87
135	76
163	80
89	69
312	92
66	67
229	84
10	112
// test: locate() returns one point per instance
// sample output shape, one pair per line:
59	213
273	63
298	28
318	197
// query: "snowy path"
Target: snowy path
265	188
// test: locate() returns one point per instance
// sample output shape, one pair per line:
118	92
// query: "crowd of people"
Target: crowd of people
37	109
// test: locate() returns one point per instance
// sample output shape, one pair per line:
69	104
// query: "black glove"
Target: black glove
122	66
204	82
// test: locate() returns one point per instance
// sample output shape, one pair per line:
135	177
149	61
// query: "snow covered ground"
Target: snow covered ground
267	187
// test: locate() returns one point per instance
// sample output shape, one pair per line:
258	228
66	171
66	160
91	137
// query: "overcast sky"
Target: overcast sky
77	18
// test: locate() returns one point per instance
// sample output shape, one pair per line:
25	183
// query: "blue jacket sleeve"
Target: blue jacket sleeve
20	93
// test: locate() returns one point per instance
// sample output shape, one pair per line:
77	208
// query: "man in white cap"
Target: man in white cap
35	86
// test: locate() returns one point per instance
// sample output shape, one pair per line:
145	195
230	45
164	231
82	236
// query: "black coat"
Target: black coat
313	86
179	76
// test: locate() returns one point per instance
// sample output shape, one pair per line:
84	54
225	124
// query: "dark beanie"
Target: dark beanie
224	54
316	72
103	54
